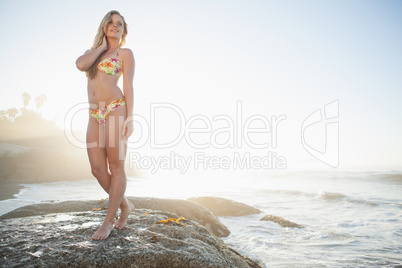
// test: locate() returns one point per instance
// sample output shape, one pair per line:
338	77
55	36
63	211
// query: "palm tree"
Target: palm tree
40	100
26	98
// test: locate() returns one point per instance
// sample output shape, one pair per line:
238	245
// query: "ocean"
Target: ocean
350	219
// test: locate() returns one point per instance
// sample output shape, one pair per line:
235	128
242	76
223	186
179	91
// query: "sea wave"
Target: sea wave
336	197
331	196
282	192
321	195
391	178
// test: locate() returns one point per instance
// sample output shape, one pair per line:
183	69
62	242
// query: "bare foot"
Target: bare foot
125	211
103	231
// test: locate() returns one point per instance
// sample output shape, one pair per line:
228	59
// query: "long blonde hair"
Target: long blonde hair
91	73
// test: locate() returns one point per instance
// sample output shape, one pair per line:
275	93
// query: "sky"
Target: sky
270	63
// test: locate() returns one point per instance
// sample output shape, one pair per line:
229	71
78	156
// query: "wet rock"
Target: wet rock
281	221
64	240
225	207
187	209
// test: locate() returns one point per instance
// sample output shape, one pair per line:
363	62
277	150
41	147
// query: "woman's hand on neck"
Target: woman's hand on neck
104	46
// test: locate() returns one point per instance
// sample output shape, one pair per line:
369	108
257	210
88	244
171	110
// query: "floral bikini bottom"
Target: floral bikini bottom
101	114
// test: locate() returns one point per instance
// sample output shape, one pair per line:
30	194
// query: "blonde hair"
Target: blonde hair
91	73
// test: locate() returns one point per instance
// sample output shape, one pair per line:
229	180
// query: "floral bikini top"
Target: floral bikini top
111	66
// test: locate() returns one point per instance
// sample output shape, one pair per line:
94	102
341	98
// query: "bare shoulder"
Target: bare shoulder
87	51
126	52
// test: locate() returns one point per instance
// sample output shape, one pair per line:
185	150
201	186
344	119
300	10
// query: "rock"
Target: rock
64	240
184	208
225	207
48	208
187	209
281	221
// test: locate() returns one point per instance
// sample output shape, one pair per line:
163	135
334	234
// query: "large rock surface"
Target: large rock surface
187	209
64	240
225	207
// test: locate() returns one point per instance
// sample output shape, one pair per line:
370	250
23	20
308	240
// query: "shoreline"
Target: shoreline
8	190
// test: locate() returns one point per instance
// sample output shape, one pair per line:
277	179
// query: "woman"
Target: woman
110	122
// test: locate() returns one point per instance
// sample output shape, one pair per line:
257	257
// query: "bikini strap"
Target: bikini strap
118	52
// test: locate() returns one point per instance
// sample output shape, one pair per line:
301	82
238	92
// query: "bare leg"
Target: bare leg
116	151
98	160
99	166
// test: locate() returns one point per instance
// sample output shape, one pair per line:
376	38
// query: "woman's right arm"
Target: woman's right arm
85	61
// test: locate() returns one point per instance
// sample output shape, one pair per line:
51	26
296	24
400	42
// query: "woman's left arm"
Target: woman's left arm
128	89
